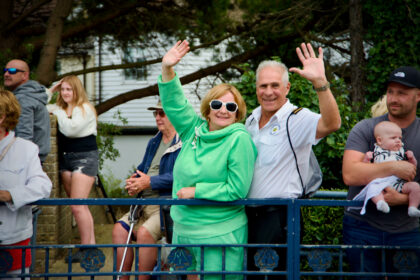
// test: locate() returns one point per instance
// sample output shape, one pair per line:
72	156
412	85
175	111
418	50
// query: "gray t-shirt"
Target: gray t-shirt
362	139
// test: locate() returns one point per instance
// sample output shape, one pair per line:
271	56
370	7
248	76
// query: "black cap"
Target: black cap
406	75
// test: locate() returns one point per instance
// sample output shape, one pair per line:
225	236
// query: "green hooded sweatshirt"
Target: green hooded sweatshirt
219	164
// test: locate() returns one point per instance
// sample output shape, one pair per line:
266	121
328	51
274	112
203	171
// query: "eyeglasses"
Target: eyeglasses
12	71
159	112
217	105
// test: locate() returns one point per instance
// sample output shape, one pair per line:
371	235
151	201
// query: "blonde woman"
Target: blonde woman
78	152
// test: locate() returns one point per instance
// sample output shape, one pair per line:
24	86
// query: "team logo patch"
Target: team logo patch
400	74
275	130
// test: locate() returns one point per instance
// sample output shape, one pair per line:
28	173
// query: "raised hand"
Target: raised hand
56	87
174	55
313	67
171	58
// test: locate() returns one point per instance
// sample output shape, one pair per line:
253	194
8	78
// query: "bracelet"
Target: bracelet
323	88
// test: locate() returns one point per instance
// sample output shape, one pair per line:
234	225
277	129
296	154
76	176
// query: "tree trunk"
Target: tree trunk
45	71
357	62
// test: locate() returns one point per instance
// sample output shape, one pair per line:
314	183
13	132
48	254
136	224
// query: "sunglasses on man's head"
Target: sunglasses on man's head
12	70
159	112
217	105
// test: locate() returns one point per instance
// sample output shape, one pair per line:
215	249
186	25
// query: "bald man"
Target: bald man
34	120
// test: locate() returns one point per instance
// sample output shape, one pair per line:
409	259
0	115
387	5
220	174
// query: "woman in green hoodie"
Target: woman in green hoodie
216	163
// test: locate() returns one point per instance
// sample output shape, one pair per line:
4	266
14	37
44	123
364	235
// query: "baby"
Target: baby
389	147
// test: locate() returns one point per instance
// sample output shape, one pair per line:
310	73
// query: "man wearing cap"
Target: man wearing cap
34	121
375	227
152	179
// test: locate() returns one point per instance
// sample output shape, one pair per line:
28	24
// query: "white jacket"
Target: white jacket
21	174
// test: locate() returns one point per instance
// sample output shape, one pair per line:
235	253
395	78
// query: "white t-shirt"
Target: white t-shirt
275	173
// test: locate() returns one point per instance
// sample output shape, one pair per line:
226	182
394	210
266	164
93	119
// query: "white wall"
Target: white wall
132	149
135	111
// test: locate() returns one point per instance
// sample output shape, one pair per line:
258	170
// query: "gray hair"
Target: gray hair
274	64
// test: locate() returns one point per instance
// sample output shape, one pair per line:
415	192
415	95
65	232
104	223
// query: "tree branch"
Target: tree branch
29	11
135	64
89	24
153	90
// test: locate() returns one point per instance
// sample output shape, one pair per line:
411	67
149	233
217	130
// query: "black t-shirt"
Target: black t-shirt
362	139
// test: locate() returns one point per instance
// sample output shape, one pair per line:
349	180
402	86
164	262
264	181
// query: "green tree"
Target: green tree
248	31
393	33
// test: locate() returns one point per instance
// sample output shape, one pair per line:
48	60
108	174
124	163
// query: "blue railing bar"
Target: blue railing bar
136	259
296	245
223	262
114	258
290	237
166	201
360	274
201	257
152	273
331	194
341	247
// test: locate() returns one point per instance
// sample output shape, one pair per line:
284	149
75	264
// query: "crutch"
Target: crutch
132	218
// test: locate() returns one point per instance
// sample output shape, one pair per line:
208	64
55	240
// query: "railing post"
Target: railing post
293	239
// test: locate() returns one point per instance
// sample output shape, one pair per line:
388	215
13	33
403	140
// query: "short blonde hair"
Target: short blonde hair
79	93
379	108
10	109
217	92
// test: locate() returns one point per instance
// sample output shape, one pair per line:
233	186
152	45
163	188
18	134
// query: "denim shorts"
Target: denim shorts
83	162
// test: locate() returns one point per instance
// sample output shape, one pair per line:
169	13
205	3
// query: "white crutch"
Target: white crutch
133	218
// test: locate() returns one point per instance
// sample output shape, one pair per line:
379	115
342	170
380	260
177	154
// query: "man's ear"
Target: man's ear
288	88
26	75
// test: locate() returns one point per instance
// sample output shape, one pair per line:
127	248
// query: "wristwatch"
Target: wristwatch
323	88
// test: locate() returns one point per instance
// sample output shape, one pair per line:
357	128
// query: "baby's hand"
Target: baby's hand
410	157
368	157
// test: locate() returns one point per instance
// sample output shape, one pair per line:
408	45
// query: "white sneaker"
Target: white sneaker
382	206
413	211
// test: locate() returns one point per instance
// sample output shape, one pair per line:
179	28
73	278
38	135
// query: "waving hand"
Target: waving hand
172	57
313	67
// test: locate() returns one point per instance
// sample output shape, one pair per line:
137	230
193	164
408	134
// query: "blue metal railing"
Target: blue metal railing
295	250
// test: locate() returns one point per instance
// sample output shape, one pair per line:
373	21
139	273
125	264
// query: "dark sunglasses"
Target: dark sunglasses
12	71
217	105
159	112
